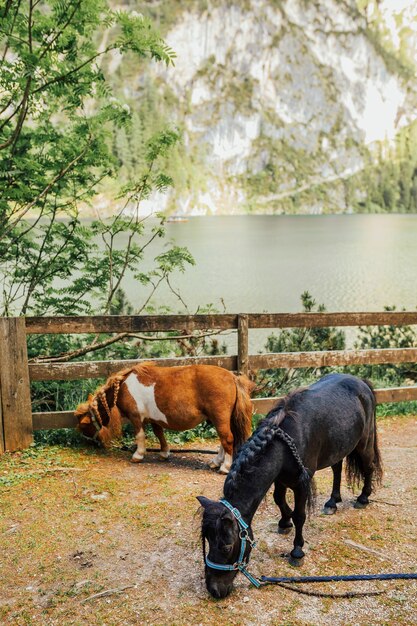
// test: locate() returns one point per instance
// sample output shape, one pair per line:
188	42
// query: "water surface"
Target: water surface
264	263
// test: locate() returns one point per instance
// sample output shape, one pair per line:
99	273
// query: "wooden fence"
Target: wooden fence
17	422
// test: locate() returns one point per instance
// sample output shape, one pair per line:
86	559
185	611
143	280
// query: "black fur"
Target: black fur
310	429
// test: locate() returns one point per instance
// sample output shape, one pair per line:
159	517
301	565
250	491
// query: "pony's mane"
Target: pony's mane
103	402
269	429
82	409
118	376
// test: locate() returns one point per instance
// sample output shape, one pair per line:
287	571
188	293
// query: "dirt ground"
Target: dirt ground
79	522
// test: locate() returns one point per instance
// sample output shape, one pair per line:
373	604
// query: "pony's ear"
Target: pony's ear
205	502
90	397
85	420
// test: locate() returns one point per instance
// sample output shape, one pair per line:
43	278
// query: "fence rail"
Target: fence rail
17	422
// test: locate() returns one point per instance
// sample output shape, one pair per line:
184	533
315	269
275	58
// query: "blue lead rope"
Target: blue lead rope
330	579
241	564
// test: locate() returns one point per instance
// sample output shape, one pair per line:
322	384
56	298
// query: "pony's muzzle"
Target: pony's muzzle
219	590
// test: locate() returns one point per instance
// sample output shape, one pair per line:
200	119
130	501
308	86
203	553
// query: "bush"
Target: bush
272	382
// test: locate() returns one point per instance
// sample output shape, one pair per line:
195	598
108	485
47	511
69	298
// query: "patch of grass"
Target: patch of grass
389	409
68	437
30	464
71	438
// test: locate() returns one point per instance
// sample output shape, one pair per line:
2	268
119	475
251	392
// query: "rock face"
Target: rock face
285	101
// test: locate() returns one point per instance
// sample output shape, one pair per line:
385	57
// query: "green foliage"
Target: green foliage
397	408
151	107
69	437
205	430
57	119
390	179
383	337
277	381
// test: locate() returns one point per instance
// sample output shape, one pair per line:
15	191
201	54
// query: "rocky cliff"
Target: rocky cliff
283	104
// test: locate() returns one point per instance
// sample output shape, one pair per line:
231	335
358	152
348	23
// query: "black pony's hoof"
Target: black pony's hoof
285	530
360	505
296	557
329	510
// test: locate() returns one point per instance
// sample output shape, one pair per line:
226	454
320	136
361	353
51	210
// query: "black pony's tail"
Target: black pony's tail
307	482
354	465
354	469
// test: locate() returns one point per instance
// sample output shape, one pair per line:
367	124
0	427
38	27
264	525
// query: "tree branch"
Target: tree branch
49	186
73	71
67	356
61	31
23	111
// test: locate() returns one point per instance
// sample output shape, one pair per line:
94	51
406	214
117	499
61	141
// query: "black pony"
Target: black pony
312	428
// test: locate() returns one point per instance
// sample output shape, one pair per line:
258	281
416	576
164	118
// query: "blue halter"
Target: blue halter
241	563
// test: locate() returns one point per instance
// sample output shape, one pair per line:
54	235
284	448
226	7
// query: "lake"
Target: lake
264	263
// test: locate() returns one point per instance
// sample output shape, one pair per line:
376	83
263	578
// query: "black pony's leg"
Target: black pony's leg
368	470
330	506
284	524
298	517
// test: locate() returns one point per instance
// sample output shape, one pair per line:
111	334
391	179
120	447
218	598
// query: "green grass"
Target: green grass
396	408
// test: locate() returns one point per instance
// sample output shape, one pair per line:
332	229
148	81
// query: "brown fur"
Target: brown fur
186	395
240	425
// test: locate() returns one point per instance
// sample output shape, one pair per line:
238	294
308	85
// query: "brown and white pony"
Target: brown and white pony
178	398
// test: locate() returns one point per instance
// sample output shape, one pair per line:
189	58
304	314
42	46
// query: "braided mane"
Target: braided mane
101	394
103	403
269	430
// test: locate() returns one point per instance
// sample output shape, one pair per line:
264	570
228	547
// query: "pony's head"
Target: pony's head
88	425
220	528
96	420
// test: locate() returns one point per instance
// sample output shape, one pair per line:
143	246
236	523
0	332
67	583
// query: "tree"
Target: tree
57	119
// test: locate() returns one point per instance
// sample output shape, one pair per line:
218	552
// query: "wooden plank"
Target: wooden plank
129	323
331	358
243	344
396	394
66	419
391	394
57	419
14	383
54	419
320	320
189	323
102	369
264	405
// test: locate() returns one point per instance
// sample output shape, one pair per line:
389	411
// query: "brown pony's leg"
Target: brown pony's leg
226	440
218	459
140	440
159	432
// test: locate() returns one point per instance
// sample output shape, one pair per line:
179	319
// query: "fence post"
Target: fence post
16	410
243	344
2	447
